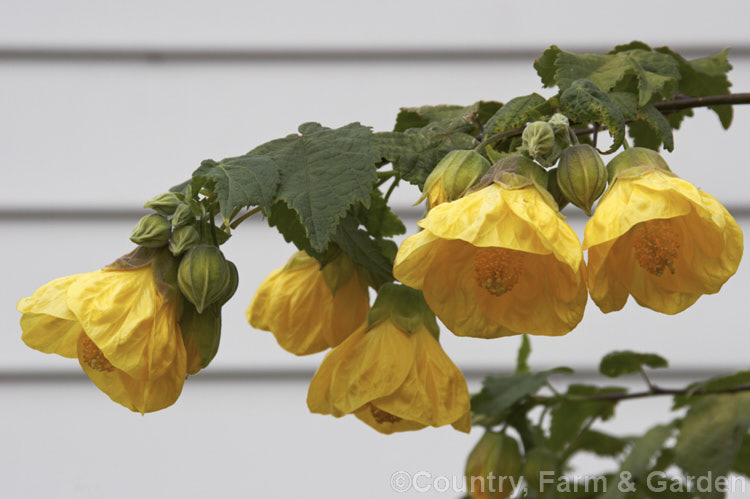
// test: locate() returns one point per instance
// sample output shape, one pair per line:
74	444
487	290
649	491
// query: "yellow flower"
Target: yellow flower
497	262
120	325
659	238
308	309
393	374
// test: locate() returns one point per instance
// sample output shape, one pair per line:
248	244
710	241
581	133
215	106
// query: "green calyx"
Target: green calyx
634	162
495	455
581	176
456	173
183	215
514	172
164	204
201	333
182	239
405	307
338	273
152	231
540	142
204	276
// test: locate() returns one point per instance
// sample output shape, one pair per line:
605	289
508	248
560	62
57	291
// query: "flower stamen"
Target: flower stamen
498	269
656	243
93	357
382	416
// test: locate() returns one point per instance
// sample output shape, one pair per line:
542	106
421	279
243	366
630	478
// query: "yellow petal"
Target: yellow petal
368	365
47	323
380	421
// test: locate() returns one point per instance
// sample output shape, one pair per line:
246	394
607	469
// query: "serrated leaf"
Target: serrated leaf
599	443
650	127
545	66
415	153
584	102
242	181
634	45
378	219
501	392
517	112
363	250
626	362
323	173
716	384
289	225
656	74
522	361
705	76
711	435
568	417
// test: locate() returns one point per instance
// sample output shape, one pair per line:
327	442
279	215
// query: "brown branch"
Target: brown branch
655	391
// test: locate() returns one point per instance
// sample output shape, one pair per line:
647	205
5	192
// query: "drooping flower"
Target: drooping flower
658	238
392	372
499	261
121	323
308	309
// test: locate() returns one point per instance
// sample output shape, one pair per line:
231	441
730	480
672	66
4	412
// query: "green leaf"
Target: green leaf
545	66
634	45
649	127
288	223
522	362
705	76
378	219
625	362
242	181
323	173
416	152
711	435
468	119
569	417
653	74
599	443
517	112
584	102
641	457
363	250
501	392
742	460
717	384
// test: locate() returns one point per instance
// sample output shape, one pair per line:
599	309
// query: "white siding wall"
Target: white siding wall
98	137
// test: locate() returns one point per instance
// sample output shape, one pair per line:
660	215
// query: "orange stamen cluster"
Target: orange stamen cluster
93	357
382	416
656	243
498	269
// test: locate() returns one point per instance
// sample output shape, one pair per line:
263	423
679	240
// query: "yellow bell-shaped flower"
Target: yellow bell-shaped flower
497	262
121	323
658	238
392	372
308	309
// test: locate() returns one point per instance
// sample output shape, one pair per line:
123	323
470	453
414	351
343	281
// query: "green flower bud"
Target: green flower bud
183	215
405	307
201	333
164	204
152	231
203	276
559	123
234	281
554	189
581	176
453	176
182	239
539	460
635	162
538	139
515	171
493	466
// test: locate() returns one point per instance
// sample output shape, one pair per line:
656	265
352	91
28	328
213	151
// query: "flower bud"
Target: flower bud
634	162
405	307
493	466
152	231
453	176
183	215
203	276
515	171
540	142
182	239
201	333
554	189
234	281
581	176
163	204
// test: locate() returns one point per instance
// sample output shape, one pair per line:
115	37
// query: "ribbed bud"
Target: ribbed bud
581	176
539	140
183	215
164	204
182	239
234	281
201	333
635	162
405	307
515	171
204	276
493	466
453	176
152	231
